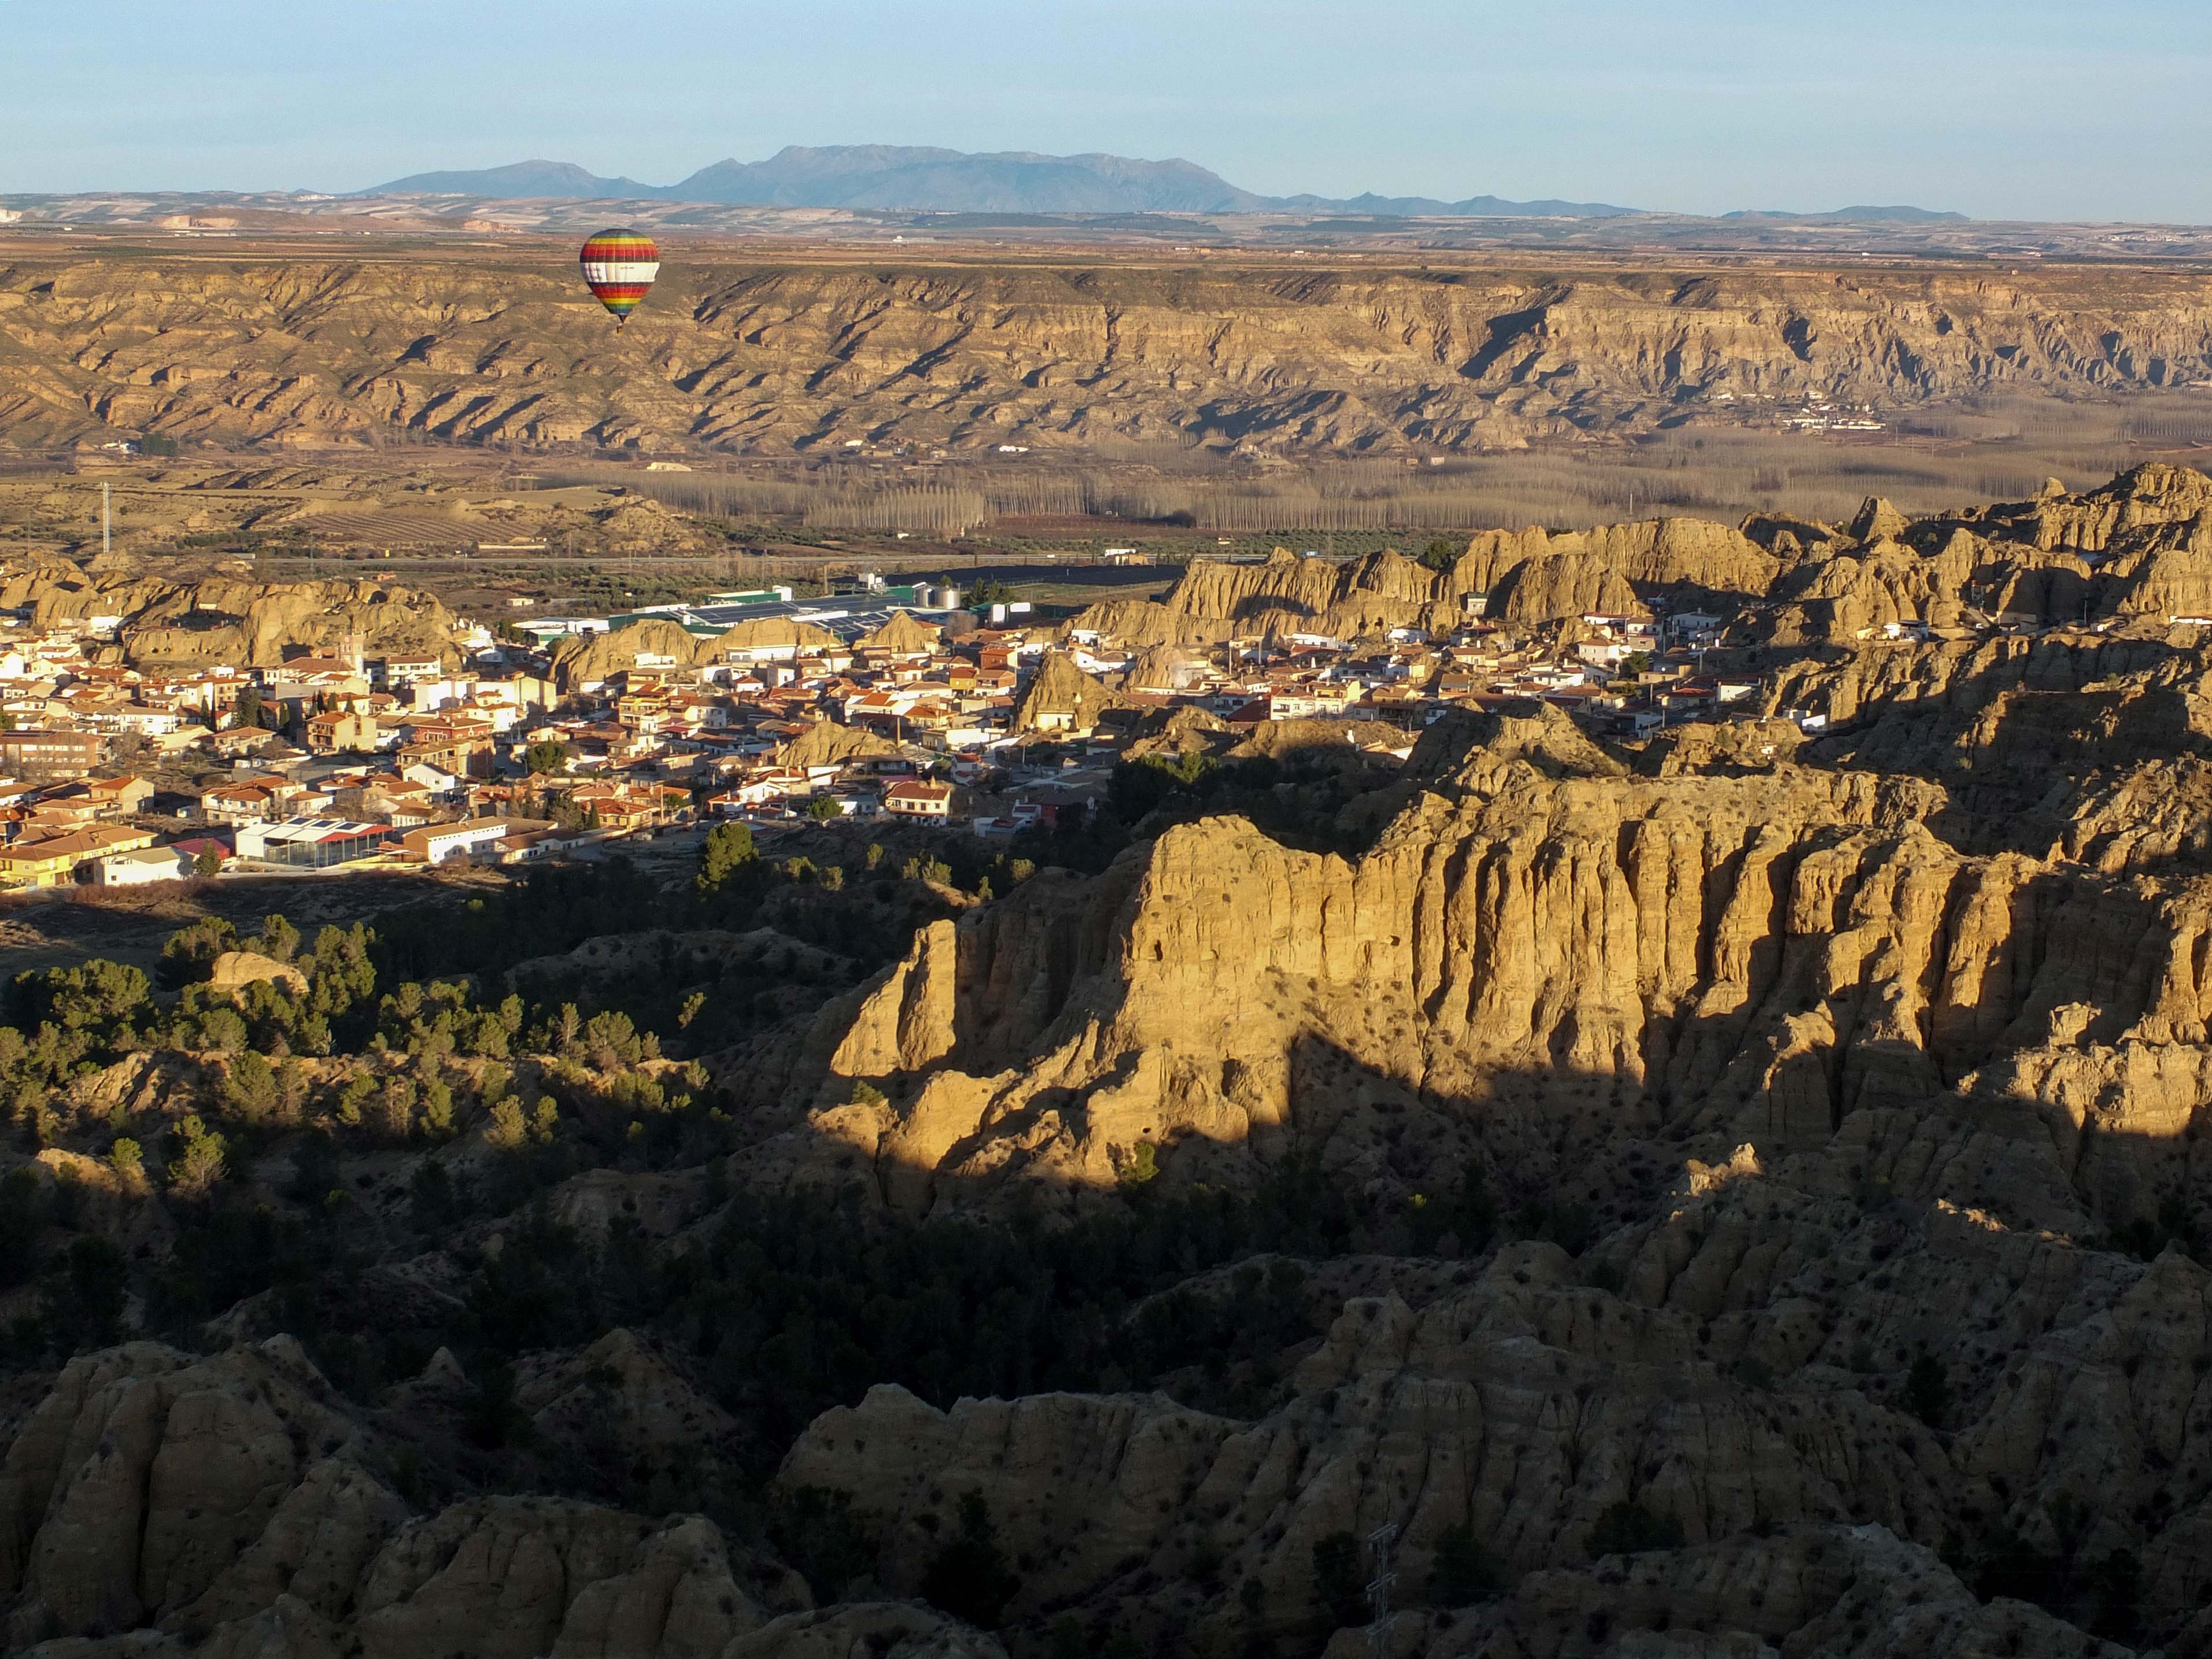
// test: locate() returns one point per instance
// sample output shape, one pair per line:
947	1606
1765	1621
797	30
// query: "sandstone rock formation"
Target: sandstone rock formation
904	634
1521	1409
228	1501
514	1578
581	659
2137	551
826	743
182	625
1495	945
1061	697
894	1630
1937	1071
148	1488
232	970
1184	730
1807	1589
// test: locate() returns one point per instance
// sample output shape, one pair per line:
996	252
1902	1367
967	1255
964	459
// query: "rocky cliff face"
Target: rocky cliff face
1839	1095
1520	1409
237	1500
787	353
1621	956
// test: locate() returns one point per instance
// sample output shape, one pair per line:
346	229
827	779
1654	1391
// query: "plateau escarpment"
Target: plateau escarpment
785	355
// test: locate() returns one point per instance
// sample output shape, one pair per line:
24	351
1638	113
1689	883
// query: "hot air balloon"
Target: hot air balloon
619	266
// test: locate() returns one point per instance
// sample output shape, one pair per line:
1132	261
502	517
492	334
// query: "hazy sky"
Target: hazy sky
2092	109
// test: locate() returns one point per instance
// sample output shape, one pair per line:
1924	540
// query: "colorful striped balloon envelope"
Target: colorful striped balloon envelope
619	266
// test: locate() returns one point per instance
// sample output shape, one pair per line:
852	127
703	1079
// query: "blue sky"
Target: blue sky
2027	109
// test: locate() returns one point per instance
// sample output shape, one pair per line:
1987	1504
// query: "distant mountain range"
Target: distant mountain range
912	178
523	179
894	177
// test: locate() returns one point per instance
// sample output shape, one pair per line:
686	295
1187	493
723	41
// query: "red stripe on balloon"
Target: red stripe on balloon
618	246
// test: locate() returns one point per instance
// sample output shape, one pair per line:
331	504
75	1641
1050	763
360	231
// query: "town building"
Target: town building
440	843
313	843
136	869
49	749
919	798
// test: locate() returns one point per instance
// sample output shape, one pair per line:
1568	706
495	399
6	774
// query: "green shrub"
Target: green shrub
508	1130
817	1530
1462	1572
1928	1390
969	1578
198	1164
1339	1592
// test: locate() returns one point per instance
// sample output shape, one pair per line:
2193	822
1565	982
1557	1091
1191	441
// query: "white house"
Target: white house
435	843
919	798
435	779
136	869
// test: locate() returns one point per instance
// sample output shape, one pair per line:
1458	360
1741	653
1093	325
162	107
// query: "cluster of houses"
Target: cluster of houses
1623	676
117	775
935	723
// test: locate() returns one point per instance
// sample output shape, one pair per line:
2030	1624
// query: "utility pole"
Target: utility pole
106	519
1382	1541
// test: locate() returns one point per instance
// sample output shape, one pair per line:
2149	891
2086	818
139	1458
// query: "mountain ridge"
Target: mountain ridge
531	178
915	177
929	178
